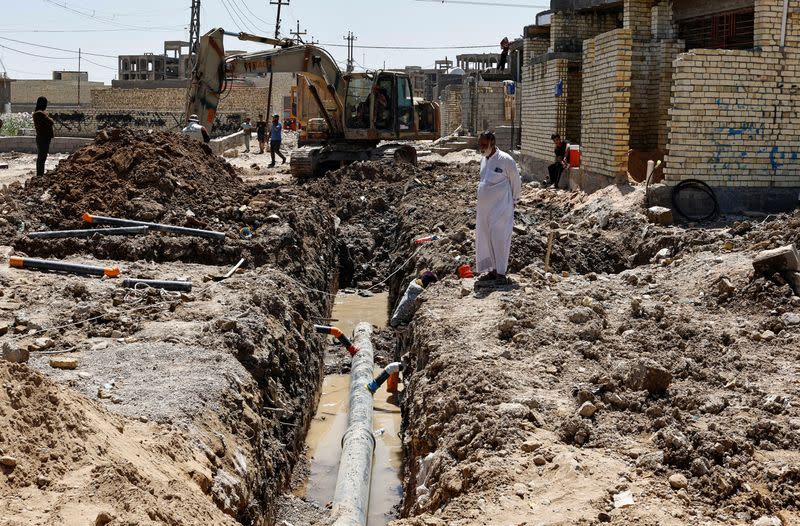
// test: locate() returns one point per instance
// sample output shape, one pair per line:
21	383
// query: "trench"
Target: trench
323	441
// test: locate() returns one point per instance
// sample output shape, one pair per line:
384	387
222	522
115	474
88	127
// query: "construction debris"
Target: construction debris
783	259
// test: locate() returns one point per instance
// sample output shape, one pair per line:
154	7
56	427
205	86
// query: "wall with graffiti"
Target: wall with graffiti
87	123
735	117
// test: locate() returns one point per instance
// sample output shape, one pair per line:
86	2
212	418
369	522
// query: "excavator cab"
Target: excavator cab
381	106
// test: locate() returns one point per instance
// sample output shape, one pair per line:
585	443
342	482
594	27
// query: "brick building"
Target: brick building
709	87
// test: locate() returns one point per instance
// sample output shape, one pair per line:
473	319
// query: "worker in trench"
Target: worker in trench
498	192
43	125
195	130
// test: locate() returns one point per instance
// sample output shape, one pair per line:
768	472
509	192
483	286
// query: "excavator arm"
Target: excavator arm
214	70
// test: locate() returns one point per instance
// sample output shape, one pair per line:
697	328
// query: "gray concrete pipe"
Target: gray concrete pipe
351	497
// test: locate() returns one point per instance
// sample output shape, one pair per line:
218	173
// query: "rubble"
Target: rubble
783	259
660	215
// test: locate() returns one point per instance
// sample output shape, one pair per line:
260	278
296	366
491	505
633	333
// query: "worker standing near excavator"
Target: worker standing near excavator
194	130
275	138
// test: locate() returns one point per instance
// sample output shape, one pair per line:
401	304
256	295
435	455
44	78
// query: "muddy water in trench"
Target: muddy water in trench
329	424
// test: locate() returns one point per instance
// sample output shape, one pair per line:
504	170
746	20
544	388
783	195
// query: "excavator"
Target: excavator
349	116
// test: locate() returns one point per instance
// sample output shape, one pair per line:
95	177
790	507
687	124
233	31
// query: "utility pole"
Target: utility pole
278	3
298	35
350	38
194	34
79	76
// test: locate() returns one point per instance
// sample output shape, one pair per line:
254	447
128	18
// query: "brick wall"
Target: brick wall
451	108
239	99
56	91
735	117
638	17
80	122
605	122
569	30
543	113
651	82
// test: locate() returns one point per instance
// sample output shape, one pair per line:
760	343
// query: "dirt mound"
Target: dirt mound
136	175
90	467
166	178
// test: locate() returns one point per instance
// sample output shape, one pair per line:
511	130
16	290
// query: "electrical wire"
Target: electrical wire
250	28
107	20
255	15
99	65
231	16
68	30
58	48
139	14
412	47
485	4
37	56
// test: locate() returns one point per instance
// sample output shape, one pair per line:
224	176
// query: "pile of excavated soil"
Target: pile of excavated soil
135	175
165	178
64	460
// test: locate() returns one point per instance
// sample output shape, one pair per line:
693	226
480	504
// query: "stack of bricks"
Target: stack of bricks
661	21
735	118
533	47
605	123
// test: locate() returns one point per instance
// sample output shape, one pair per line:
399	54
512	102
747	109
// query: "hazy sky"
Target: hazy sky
113	27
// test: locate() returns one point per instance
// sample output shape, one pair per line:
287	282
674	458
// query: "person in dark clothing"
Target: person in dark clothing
43	125
261	132
557	167
275	139
504	45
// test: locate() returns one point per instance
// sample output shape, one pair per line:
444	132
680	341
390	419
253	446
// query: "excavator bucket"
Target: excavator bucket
208	79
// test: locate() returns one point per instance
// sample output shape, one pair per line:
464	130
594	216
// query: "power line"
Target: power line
105	20
412	47
100	65
486	4
111	14
231	15
69	30
245	22
56	48
35	55
254	15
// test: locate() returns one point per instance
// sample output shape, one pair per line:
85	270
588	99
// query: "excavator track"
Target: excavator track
301	164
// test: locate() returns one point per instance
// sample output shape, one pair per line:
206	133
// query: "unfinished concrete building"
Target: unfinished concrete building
708	87
173	64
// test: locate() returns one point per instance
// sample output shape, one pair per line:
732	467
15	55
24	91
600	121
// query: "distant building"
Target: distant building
173	64
66	88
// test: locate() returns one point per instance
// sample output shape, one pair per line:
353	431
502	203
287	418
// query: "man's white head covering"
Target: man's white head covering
194	118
